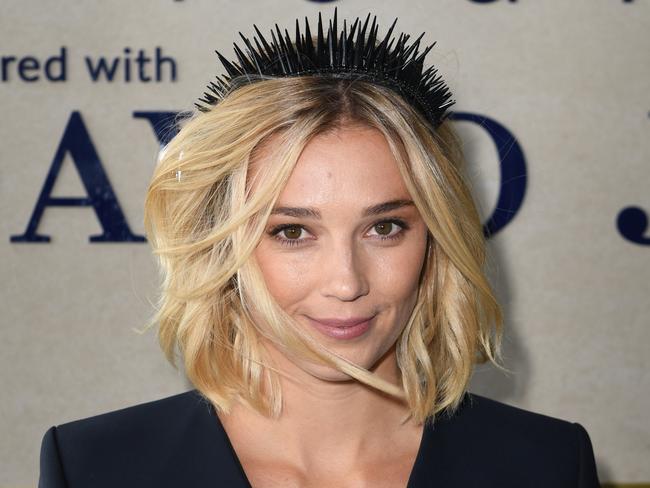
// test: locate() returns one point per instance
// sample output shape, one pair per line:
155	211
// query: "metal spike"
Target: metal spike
252	54
343	43
267	48
365	25
335	47
330	45
420	58
243	62
300	42
373	33
309	42
284	50
352	31
358	48
371	43
291	52
226	64
262	52
278	56
384	47
320	47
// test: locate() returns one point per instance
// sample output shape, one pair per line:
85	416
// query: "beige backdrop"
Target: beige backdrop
570	79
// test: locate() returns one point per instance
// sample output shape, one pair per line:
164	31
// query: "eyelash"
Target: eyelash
297	242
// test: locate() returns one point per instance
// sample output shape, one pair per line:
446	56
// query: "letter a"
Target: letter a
100	196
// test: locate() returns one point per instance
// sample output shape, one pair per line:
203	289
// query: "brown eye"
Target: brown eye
384	228
292	232
289	234
390	229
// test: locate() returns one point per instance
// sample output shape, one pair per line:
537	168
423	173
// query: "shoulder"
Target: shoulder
510	443
135	422
121	445
491	416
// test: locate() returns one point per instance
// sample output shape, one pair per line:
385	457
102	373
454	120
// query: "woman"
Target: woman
324	288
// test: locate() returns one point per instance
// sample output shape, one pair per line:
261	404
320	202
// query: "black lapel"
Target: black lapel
432	467
208	453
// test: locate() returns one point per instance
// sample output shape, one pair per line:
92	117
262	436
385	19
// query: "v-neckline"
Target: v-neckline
418	464
233	454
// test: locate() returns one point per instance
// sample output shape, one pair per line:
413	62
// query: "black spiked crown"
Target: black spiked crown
391	63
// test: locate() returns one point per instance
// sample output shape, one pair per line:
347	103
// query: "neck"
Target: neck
345	422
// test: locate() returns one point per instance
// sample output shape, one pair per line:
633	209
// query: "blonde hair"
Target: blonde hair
204	227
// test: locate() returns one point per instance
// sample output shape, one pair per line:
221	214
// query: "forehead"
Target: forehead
350	166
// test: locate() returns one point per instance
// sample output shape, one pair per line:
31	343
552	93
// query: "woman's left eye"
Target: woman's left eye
385	230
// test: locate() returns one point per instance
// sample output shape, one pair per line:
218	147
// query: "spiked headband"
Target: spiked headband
391	63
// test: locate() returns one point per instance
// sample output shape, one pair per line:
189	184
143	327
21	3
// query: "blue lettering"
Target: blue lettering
127	67
164	124
632	223
101	68
512	165
100	196
27	67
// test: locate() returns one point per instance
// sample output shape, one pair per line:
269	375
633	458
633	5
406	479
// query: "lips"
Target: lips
342	323
343	329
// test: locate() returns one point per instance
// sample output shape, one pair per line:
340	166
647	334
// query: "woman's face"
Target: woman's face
345	241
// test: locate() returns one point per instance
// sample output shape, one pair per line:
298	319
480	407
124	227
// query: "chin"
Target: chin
370	362
327	373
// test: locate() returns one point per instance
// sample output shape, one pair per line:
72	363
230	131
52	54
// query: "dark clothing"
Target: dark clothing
179	441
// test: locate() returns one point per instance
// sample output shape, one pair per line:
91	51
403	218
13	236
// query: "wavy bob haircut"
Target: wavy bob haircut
205	225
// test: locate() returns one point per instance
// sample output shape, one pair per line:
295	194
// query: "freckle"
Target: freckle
329	175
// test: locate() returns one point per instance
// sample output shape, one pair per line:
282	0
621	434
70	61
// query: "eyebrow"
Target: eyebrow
310	212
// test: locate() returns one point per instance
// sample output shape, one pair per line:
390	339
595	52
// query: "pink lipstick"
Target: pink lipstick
342	328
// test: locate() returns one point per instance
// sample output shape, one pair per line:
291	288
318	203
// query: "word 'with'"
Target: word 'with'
130	66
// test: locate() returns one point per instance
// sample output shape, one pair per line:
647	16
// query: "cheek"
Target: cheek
396	274
286	275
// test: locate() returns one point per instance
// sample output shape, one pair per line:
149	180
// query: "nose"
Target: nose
344	273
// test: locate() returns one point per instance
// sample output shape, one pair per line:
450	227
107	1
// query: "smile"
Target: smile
342	329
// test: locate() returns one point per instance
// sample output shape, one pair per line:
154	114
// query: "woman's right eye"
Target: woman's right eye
288	234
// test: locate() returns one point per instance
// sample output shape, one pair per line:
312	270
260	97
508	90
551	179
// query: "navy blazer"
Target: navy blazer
179	441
